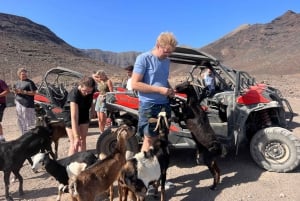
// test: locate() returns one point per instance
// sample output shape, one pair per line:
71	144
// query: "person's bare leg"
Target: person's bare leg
84	131
101	121
71	146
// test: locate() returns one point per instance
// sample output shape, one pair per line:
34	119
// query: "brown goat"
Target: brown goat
99	177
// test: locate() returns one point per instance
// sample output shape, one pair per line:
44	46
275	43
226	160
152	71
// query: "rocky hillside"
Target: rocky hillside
271	48
121	59
27	44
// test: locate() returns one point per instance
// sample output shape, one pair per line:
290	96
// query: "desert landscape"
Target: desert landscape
268	51
241	179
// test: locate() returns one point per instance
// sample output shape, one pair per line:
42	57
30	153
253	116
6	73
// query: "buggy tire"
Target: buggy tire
275	149
106	144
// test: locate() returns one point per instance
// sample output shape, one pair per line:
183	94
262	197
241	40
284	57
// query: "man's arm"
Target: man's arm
138	85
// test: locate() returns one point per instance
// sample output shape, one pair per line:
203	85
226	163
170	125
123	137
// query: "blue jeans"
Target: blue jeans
146	111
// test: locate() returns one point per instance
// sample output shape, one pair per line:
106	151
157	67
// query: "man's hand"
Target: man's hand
167	92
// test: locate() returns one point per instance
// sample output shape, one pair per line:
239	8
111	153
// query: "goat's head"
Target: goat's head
192	90
38	161
41	139
124	131
41	115
162	124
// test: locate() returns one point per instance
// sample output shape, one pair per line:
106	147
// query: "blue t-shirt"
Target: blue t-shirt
155	72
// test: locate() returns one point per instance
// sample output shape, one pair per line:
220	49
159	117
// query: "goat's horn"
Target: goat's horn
157	123
166	122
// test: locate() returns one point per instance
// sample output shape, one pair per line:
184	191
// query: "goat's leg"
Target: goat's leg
122	191
132	196
61	189
30	161
162	187
20	178
56	149
111	192
213	168
6	182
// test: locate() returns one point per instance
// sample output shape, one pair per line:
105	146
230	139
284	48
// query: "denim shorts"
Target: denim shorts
146	111
100	104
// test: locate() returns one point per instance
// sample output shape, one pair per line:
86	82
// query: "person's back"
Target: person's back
4	90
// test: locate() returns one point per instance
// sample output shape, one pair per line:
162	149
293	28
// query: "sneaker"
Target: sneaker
2	139
169	185
151	191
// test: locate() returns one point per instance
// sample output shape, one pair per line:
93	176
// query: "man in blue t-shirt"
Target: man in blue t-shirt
150	79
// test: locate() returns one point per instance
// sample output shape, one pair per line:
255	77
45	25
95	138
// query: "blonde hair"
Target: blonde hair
166	39
20	70
101	72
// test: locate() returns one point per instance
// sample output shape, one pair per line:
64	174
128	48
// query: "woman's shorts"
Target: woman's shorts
100	104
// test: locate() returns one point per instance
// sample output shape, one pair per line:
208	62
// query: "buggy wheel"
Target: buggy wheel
106	143
275	149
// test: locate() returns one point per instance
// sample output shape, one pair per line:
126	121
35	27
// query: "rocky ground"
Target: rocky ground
241	180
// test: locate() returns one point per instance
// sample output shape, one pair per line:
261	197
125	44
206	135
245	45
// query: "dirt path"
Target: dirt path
241	180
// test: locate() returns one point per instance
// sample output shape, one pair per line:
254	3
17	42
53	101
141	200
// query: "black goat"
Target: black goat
14	153
43	118
61	169
147	167
197	122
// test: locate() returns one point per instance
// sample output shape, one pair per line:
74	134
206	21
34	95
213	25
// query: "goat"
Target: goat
64	168
147	168
58	127
197	122
14	153
100	176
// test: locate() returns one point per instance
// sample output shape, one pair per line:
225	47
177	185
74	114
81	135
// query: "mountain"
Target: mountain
27	44
121	59
272	48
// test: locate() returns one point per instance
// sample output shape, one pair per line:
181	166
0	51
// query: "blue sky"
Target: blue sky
132	25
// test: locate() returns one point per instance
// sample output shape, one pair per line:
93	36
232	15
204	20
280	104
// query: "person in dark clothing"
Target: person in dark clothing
4	90
76	114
